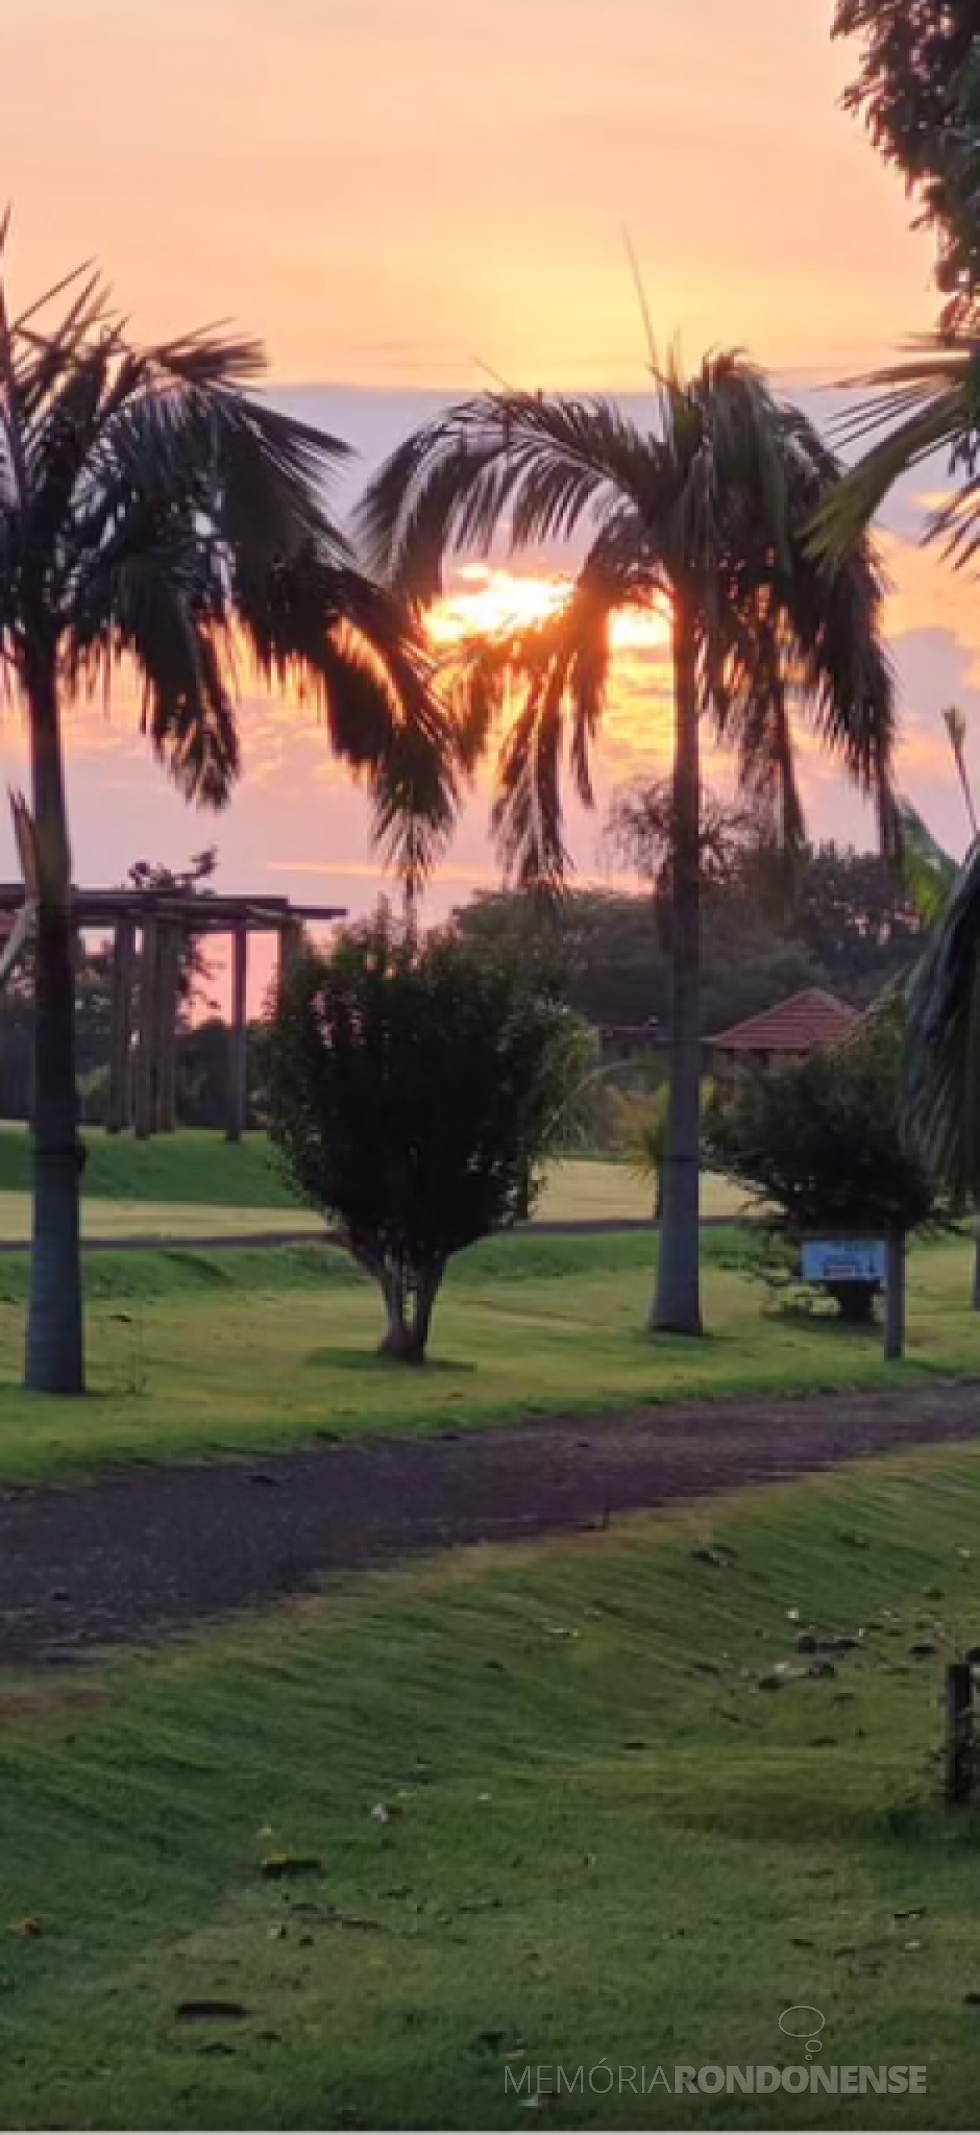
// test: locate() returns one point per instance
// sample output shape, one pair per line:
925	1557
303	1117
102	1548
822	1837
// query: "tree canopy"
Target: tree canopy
844	923
823	1140
918	91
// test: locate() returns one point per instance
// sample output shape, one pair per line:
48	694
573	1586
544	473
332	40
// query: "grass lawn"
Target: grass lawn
550	1813
174	1184
163	1220
208	1352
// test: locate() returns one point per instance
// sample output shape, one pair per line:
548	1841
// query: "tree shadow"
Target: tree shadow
337	1357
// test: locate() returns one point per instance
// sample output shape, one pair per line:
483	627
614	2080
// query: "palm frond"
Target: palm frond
928	873
943	1041
711	507
531	466
926	404
154	512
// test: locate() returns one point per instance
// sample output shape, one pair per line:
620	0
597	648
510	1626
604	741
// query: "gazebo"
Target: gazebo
149	928
792	1030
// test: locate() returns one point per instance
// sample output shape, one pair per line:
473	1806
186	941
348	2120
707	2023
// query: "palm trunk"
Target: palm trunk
976	1267
677	1303
54	1359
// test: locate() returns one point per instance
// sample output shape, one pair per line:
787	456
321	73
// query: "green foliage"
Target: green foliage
843	921
943	1049
929	872
918	91
823	1142
414	1088
640	1126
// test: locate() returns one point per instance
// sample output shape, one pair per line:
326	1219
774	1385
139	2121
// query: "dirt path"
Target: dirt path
148	1551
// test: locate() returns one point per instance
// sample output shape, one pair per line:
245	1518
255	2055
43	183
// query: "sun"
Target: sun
486	598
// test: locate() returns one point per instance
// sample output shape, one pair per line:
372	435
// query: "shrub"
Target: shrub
820	1146
414	1085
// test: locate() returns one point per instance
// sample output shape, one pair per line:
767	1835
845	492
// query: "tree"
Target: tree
153	515
918	92
857	920
823	1143
942	1055
413	1087
736	843
704	515
844	921
942	1061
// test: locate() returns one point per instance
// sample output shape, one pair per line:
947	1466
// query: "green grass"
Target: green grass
171	1184
604	1838
164	1220
189	1167
198	1353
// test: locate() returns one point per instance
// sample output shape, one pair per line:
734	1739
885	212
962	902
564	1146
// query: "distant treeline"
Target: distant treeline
842	922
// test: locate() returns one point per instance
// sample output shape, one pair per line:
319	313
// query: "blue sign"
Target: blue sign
850	1260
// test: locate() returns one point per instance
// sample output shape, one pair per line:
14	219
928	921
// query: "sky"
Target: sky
404	197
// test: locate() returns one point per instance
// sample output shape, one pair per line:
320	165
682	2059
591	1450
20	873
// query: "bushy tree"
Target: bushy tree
413	1087
820	1147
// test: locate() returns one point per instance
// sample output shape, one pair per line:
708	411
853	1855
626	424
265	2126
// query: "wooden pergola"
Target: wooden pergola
149	930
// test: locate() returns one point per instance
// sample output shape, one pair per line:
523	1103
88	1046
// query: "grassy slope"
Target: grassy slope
204	1352
189	1174
606	1839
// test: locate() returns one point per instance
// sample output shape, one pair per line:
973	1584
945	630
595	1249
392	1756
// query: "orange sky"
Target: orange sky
398	192
390	189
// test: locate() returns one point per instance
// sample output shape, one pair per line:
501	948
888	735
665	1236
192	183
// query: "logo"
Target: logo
793	2023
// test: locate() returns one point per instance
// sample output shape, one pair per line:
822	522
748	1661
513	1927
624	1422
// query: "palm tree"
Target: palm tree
702	514
927	404
942	1039
154	516
942	1030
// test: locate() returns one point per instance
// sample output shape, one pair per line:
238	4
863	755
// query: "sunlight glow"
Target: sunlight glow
490	598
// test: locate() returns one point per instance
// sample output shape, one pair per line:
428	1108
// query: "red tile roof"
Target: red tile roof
800	1025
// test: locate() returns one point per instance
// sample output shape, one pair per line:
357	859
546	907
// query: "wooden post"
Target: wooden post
168	988
120	1027
895	1297
238	1036
289	939
959	1732
144	1110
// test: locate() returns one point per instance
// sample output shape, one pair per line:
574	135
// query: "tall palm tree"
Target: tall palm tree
942	1059
942	1024
929	404
156	517
701	513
